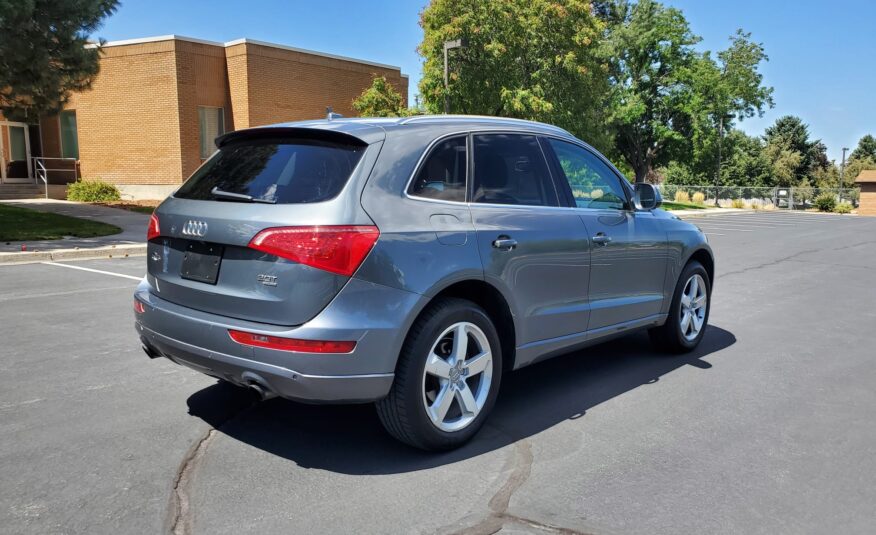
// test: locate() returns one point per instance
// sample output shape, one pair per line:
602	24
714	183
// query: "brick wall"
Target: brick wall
128	122
286	85
867	202
138	124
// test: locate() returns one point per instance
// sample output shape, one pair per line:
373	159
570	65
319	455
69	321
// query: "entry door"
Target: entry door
15	145
533	249
628	248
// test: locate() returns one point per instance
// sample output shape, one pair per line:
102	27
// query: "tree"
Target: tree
866	149
43	53
730	88
530	59
650	51
381	99
792	133
784	161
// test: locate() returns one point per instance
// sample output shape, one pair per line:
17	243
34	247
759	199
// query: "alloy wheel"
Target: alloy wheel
692	313
457	376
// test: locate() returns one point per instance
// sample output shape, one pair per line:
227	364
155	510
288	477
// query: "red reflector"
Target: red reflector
153	231
138	307
338	249
290	344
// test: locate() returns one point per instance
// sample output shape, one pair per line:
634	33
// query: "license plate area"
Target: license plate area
201	262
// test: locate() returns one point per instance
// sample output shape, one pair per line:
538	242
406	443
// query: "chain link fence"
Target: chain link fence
765	198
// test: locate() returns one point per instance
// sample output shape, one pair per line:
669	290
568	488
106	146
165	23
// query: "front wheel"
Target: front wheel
447	377
688	314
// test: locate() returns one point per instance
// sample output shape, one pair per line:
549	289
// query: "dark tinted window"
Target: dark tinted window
442	175
594	184
510	169
281	171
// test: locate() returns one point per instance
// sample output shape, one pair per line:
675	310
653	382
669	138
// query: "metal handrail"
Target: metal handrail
43	175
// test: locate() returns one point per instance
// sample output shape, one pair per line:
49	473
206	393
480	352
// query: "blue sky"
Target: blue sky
821	53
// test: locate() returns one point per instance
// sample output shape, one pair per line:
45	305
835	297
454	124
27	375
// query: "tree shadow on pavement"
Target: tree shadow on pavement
350	439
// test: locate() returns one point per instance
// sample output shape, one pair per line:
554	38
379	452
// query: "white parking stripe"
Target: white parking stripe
725	228
93	270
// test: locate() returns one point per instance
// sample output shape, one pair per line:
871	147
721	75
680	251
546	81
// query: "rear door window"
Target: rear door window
279	171
442	175
511	169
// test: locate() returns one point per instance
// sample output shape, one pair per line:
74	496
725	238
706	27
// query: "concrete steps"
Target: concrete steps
21	191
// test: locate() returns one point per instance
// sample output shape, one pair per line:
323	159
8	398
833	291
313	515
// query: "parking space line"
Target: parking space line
93	270
725	228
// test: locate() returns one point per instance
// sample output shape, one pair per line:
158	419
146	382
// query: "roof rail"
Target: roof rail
478	118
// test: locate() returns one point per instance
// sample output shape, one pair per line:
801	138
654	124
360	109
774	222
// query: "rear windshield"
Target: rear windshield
284	171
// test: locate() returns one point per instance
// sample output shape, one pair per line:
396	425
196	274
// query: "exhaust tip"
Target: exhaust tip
258	387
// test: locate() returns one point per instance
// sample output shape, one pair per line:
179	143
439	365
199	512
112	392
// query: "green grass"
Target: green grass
672	205
21	224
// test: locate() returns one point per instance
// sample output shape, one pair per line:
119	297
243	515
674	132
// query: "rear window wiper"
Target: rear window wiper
239	197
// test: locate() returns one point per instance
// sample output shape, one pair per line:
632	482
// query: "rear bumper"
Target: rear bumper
200	341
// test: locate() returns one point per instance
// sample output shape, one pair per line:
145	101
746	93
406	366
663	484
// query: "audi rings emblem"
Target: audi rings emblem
197	229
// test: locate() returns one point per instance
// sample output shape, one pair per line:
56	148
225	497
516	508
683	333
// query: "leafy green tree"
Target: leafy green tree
792	133
784	161
530	59
728	89
650	52
43	54
866	149
381	99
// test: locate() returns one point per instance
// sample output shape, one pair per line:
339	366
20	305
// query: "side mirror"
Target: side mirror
647	196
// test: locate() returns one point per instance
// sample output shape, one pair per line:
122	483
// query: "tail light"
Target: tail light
290	344
153	231
338	249
138	306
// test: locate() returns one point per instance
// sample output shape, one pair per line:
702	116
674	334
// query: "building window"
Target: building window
211	123
69	137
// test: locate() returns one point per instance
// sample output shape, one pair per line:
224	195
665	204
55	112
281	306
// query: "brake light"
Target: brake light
290	344
138	306
153	231
338	249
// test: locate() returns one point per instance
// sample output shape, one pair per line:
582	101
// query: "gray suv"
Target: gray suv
411	262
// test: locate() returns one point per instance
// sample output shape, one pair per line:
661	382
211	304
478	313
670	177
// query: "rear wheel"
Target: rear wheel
447	377
688	314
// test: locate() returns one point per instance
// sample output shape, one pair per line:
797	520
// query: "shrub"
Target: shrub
596	194
682	196
755	205
825	202
843	208
738	203
699	198
92	191
768	206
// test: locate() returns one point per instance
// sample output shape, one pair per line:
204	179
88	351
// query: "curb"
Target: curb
113	251
710	213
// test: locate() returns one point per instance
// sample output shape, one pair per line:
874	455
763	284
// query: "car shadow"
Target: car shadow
349	439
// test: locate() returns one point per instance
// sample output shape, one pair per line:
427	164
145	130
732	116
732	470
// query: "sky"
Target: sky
821	54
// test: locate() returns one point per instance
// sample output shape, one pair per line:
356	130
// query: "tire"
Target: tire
444	407
673	336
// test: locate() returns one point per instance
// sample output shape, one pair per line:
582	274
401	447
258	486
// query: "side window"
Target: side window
442	175
594	184
511	169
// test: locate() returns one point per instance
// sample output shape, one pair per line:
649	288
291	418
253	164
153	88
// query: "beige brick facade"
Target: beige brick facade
138	124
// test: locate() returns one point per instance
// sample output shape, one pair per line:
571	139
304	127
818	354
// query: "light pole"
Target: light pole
842	173
448	45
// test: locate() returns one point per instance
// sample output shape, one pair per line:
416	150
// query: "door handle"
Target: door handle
505	243
601	239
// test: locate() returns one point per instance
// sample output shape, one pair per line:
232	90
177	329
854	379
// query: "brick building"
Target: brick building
150	118
867	181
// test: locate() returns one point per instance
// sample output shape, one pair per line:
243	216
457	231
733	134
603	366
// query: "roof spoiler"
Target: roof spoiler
275	132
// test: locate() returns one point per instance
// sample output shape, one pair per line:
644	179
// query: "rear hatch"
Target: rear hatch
300	185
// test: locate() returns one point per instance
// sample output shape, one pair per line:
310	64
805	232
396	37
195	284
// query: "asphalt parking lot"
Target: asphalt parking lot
769	427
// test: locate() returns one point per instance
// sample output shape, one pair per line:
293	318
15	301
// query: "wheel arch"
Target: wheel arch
705	257
488	297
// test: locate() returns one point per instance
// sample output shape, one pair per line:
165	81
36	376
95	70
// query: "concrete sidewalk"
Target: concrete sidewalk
131	241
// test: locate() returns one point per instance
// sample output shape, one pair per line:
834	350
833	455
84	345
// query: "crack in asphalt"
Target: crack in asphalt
520	464
179	509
